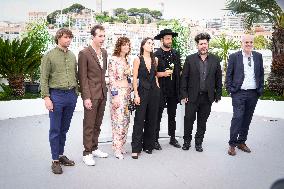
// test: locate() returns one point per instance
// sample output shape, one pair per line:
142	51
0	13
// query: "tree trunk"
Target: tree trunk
17	85
276	76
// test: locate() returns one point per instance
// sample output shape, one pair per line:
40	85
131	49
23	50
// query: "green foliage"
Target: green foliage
4	97
222	45
267	94
181	42
257	9
39	36
75	8
18	57
119	11
122	18
100	18
156	14
51	18
7	91
133	11
260	42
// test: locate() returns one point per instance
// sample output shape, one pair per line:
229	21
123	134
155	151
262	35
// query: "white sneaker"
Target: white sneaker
100	154
118	155
89	160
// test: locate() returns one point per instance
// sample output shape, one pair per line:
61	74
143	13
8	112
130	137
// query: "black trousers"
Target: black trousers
171	111
145	118
244	103
202	107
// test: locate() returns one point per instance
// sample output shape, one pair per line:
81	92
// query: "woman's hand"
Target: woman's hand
115	102
137	100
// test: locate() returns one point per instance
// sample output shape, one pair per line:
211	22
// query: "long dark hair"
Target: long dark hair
153	60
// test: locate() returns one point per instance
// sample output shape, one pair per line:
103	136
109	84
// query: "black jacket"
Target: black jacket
190	78
176	72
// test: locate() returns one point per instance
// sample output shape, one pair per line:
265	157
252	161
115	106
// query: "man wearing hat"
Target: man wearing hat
168	72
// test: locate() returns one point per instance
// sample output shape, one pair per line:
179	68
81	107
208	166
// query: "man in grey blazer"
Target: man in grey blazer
201	85
245	83
91	70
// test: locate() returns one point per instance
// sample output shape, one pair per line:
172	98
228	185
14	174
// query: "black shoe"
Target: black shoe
148	151
157	146
186	146
174	142
199	148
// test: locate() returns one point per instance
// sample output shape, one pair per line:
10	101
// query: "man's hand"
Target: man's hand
217	100
88	104
185	100
48	103
168	73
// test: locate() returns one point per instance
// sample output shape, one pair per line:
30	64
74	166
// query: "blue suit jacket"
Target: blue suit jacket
235	72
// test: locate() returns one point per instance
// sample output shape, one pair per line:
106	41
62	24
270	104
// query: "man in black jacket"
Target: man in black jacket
168	72
201	85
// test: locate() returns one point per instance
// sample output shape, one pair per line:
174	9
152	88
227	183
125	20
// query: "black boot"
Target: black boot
174	142
186	145
157	146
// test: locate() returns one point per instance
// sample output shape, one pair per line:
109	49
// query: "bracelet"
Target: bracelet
114	92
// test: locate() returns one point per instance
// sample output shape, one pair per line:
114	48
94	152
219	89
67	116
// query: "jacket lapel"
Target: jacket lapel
196	62
94	54
104	54
209	65
240	60
254	62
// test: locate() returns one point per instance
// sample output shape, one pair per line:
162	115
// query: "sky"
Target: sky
17	10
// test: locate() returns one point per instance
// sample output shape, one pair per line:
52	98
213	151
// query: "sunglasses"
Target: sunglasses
249	61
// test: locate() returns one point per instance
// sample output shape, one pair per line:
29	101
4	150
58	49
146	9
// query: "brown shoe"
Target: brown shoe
65	161
56	168
244	148
232	151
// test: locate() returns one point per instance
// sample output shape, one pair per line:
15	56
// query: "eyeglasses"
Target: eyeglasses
249	61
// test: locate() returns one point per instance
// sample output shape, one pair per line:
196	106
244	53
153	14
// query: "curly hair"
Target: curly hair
202	36
120	42
61	32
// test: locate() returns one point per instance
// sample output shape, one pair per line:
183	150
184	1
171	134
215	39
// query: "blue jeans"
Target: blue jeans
64	103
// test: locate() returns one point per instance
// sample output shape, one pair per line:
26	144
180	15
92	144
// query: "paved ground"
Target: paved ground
25	159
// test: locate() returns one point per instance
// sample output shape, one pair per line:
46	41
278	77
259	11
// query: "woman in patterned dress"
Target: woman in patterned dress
119	71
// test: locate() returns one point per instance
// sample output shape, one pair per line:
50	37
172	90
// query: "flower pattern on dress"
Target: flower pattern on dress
120	116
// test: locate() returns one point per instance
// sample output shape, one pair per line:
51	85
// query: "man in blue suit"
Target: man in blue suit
245	83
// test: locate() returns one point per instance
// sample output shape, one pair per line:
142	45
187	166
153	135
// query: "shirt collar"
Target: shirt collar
61	49
244	55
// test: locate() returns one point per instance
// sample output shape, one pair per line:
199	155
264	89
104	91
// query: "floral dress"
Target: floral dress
120	116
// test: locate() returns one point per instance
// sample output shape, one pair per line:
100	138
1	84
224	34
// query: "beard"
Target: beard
203	51
168	46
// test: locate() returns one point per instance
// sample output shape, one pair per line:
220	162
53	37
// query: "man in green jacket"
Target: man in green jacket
59	89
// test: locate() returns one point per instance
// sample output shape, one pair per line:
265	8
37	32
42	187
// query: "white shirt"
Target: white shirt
249	80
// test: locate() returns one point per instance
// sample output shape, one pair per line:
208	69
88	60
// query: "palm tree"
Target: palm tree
223	45
18	57
254	10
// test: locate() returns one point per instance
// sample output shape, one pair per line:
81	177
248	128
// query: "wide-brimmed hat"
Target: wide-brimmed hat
165	32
